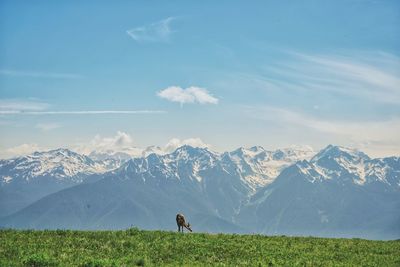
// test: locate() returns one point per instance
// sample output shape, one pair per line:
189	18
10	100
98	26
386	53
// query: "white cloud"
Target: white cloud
174	143
121	142
156	32
37	107
34	74
47	126
201	95
22	150
189	95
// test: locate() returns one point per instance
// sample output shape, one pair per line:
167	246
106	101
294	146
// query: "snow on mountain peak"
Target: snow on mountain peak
259	167
255	166
337	161
256	149
248	152
187	152
346	165
311	171
338	151
184	163
59	163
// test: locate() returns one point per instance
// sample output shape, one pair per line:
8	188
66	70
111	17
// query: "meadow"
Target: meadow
134	247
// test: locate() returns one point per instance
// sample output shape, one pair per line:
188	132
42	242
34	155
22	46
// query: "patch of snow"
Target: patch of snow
260	167
61	164
196	169
7	179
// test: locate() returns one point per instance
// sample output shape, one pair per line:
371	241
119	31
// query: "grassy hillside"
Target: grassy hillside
154	248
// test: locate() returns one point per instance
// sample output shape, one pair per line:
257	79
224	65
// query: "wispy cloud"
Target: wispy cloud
47	126
376	136
37	107
21	150
35	74
191	94
80	112
374	75
155	32
8	106
120	142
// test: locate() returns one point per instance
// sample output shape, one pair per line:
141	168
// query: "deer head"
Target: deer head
188	227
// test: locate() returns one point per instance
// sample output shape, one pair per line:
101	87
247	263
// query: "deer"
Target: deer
180	221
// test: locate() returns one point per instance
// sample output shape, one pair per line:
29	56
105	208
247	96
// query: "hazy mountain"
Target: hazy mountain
24	180
337	192
340	192
113	159
144	192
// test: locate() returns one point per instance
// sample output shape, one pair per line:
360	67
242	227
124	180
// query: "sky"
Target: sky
91	75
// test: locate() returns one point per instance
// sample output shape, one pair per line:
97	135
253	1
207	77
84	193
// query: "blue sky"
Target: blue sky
225	74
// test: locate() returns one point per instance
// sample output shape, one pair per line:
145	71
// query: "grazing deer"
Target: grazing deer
180	221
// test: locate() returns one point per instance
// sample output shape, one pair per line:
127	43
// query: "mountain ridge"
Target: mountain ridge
215	189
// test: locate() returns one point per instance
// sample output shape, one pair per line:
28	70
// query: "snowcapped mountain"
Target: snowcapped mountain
255	166
109	159
348	165
337	192
185	162
259	167
26	179
383	170
143	192
197	170
340	192
61	164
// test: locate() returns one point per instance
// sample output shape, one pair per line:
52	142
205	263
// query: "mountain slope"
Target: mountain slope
339	192
24	180
259	167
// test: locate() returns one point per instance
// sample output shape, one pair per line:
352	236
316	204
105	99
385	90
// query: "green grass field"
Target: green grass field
134	247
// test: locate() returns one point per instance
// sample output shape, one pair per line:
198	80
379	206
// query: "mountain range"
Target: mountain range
338	192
